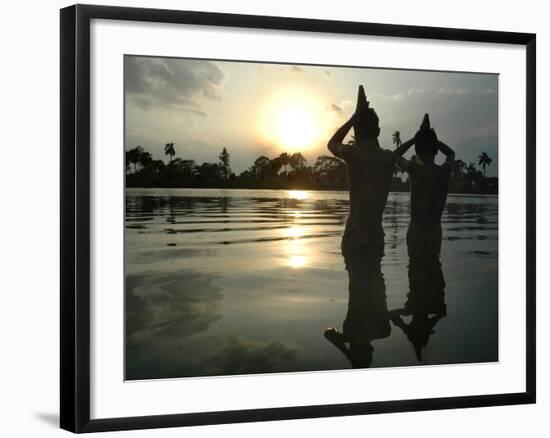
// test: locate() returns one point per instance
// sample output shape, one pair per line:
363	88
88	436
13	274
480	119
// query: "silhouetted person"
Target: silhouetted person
426	297
370	173
429	184
367	317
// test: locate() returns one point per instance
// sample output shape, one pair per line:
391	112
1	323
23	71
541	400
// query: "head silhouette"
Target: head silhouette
425	142
366	124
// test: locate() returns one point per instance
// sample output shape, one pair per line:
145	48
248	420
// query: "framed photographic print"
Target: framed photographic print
269	218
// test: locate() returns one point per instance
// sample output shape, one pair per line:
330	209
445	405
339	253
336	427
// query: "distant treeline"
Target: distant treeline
286	171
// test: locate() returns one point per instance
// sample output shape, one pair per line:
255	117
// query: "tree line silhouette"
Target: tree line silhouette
285	171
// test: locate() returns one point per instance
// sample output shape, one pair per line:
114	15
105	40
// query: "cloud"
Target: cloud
340	108
163	306
450	91
296	69
443	91
242	356
336	108
413	91
152	82
465	90
397	96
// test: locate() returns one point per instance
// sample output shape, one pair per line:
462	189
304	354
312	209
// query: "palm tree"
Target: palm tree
169	150
484	161
396	139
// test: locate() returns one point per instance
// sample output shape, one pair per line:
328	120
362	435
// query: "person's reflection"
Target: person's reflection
367	317
426	298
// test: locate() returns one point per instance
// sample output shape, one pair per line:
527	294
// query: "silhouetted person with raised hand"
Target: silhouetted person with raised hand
370	172
429	184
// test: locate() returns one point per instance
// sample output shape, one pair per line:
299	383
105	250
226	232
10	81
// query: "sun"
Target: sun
291	120
295	127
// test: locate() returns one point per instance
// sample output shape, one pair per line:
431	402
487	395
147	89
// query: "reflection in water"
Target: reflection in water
426	298
239	356
297	261
297	249
367	317
245	281
298	194
295	231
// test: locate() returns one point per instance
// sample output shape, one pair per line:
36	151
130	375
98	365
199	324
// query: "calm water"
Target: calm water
246	281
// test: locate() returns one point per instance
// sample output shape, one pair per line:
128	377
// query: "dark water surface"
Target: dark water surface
247	281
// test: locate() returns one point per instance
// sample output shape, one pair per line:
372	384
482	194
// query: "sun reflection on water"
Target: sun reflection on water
298	194
295	232
297	261
297	251
296	248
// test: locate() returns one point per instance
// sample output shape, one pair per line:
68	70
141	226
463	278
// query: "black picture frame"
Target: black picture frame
75	216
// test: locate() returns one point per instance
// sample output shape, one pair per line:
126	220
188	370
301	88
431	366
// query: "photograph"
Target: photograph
307	218
275	219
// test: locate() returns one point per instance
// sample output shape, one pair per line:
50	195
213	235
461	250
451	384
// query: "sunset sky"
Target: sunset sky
258	109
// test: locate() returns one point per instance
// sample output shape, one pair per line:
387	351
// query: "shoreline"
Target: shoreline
291	189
